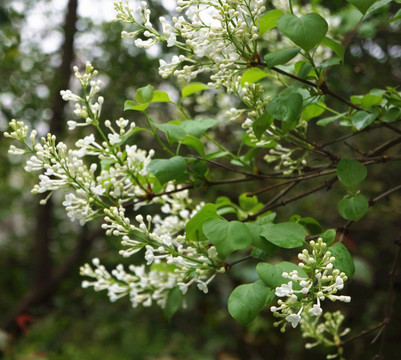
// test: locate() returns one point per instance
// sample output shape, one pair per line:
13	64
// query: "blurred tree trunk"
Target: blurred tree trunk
43	235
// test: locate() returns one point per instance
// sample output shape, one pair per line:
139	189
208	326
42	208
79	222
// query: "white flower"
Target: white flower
284	290
294	319
114	138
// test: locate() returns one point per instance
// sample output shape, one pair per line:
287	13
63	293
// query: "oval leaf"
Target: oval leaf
252	75
351	172
306	31
167	169
272	274
227	236
280	57
353	208
344	260
193	88
287	235
246	301
286	109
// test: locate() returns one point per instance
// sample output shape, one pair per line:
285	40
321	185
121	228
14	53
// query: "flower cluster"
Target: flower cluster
304	294
217	37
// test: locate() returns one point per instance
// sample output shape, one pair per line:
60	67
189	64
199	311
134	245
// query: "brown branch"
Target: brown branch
384	147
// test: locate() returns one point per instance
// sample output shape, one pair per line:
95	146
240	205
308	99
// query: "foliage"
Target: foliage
282	95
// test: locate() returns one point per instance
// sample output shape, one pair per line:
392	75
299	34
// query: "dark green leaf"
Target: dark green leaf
272	274
227	236
362	5
329	236
280	57
344	261
311	225
286	109
351	172
246	301
353	208
306	31
261	124
391	115
173	302
287	235
168	169
397	16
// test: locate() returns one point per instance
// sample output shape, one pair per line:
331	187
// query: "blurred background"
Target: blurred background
44	312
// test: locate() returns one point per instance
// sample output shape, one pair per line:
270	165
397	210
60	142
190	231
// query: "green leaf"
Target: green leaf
227	236
197	127
280	57
311	225
173	132
329	236
312	111
261	124
353	207
167	169
195	144
193	228
246	301
324	122
132	105
378	5
193	88
261	243
252	75
362	119
287	235
335	46
144	95
160	96
306	31
216	155
286	109
173	302
272	274
397	16
344	261
351	172
247	203
391	115
362	5
268	20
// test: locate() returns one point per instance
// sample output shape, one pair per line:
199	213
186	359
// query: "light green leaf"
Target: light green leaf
353	207
268	20
144	95
252	75
312	111
329	236
344	261
280	57
397	16
132	105
167	169
306	31
193	88
227	236
351	172
160	96
287	235
246	301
